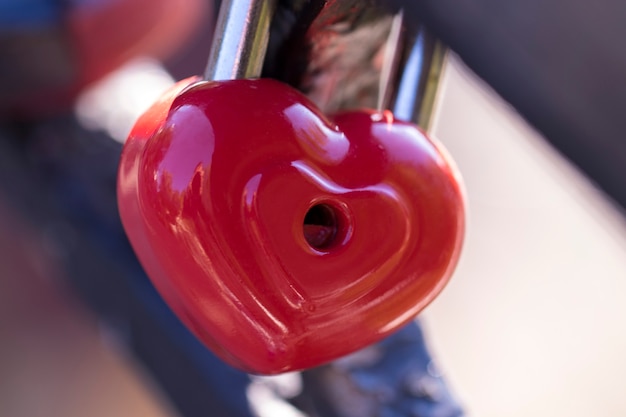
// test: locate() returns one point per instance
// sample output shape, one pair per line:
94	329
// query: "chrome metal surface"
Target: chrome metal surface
347	54
418	85
240	39
343	54
391	58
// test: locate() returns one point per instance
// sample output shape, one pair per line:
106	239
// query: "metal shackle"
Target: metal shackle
341	53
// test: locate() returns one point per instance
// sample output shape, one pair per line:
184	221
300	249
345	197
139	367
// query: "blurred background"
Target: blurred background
531	323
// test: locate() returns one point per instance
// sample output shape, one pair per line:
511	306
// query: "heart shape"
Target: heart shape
282	238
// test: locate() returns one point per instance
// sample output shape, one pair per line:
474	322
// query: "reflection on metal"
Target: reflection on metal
391	58
240	39
418	85
350	54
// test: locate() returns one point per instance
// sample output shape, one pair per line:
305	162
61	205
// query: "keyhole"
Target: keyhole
321	226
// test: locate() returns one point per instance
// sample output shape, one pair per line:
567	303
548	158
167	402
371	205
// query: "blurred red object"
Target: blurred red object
282	238
48	67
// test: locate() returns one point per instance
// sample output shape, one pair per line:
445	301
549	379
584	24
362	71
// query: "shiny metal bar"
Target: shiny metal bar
392	51
418	85
240	39
410	87
349	54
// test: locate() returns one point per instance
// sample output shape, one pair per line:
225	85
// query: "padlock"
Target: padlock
282	236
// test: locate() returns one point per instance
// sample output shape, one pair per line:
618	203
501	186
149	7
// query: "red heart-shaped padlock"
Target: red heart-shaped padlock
282	238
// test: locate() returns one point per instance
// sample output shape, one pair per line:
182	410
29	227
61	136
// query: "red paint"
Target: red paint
214	192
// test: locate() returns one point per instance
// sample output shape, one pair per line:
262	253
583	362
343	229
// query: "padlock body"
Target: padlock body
285	239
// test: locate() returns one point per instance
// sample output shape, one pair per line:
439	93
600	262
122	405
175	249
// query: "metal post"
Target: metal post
240	40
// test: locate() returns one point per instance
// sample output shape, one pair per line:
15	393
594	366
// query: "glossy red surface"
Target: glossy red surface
214	188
